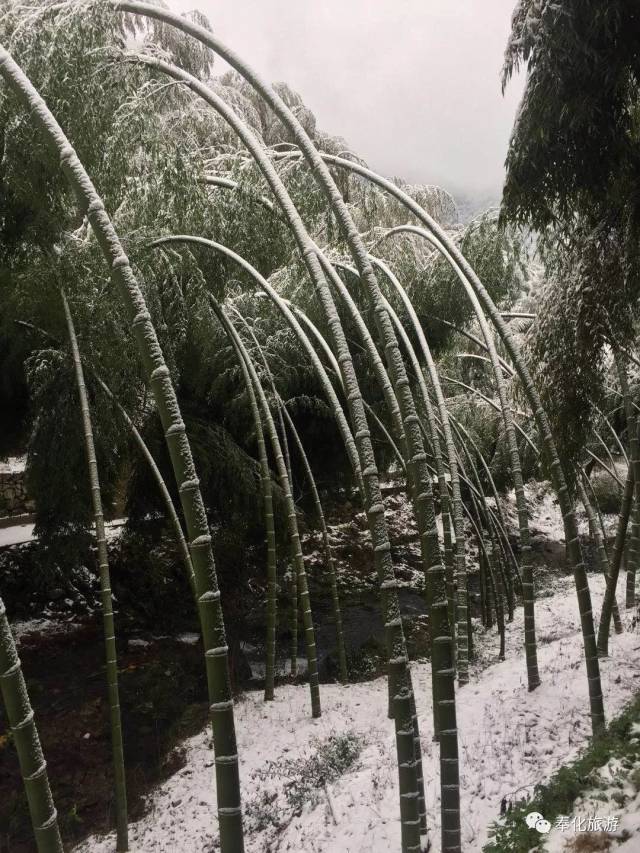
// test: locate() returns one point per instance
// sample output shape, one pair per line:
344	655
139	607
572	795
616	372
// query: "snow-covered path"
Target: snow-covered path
509	739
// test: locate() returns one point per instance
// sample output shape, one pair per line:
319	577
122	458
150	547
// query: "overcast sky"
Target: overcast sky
412	85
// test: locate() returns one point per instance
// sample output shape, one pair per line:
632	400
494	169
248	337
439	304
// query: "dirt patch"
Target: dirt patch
163	700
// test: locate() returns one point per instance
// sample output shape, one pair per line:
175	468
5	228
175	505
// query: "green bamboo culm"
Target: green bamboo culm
292	523
291	316
528	594
106	596
208	594
399	428
632	558
267	501
33	767
598	536
368	342
574	552
462	657
442	668
374	507
631	493
329	559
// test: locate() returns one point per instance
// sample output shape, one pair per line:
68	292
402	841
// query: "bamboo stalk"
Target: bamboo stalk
108	620
210	610
33	767
285	485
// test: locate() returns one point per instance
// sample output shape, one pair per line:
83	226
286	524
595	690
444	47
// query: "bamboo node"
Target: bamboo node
37	773
12	670
95	206
50	821
210	595
120	260
24	723
66	153
159	372
176	428
217	652
141	318
216	707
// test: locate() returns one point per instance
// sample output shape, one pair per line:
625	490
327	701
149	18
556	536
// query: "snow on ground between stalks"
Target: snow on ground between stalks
609	814
509	740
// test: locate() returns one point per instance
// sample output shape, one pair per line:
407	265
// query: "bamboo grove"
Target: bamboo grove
342	287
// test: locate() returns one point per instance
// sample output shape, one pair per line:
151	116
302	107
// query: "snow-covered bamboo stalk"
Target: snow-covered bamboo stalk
210	610
33	767
140	443
435	447
462	661
267	502
528	596
329	560
631	493
106	595
633	556
574	552
467	439
598	538
374	507
292	518
291	315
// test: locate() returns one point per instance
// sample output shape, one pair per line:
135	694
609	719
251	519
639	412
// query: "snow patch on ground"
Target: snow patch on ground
16	534
19	534
13	465
23	629
607	815
509	740
545	518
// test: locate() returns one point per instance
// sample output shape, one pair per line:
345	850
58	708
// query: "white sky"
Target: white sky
412	85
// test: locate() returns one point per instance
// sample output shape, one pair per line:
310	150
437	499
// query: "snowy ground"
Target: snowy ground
13	465
509	740
608	813
16	534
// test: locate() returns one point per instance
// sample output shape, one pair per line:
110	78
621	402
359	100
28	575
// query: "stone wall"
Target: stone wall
13	494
